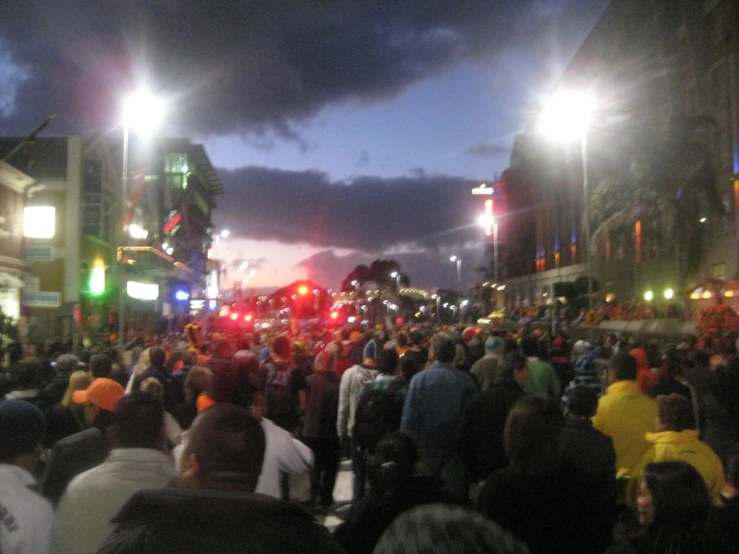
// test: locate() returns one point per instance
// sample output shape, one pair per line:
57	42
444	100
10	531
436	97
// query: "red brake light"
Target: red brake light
234	317
247	317
334	315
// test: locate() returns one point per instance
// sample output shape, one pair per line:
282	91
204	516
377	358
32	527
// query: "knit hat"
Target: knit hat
22	426
103	393
469	333
494	344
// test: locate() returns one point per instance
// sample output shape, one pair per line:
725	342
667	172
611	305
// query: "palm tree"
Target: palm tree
673	184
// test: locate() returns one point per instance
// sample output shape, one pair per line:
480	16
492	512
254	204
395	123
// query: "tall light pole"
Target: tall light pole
143	112
567	117
396	276
458	260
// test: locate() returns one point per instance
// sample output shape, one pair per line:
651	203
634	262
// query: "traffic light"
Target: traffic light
302	290
334	315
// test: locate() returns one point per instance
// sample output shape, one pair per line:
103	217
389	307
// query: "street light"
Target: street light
143	112
487	221
396	275
568	117
458	260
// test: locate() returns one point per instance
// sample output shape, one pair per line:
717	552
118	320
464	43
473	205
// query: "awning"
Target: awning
10	281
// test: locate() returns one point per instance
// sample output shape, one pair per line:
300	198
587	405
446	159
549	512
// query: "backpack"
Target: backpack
378	413
278	402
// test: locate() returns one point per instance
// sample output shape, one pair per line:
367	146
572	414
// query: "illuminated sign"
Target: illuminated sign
39	222
97	277
489	218
172	223
142	291
484	190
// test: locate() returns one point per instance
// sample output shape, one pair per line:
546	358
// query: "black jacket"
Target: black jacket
370	517
181	521
480	437
592	453
552	513
70	457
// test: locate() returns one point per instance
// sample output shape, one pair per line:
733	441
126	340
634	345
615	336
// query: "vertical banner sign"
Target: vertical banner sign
92	198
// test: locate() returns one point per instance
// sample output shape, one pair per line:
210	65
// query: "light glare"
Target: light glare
567	115
143	112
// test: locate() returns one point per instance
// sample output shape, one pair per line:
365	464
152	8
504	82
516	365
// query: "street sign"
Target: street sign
42	299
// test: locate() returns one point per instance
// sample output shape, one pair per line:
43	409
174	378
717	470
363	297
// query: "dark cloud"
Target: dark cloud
242	67
486	149
368	213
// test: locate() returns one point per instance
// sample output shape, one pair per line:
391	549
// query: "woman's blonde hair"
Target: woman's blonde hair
144	362
79	380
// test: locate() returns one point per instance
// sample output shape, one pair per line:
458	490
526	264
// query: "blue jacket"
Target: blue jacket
433	408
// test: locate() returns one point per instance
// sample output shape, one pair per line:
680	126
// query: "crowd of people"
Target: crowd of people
460	440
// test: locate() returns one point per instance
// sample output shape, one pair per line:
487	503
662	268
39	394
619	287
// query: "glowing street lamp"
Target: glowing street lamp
567	117
143	112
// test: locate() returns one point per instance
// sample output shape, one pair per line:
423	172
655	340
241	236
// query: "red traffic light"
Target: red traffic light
302	290
234	316
247	317
334	315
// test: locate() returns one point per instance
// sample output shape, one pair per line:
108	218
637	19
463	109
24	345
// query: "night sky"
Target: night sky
343	131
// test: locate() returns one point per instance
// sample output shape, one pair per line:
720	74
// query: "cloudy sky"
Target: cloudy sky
343	131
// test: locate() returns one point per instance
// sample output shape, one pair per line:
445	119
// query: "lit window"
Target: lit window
39	222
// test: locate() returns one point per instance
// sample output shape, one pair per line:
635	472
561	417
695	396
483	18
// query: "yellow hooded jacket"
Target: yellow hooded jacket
625	414
680	446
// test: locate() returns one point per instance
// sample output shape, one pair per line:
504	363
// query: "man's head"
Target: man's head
225	450
516	367
582	402
529	346
324	361
138	422
67	363
281	347
443	348
674	413
22	428
100	366
623	367
157	356
99	400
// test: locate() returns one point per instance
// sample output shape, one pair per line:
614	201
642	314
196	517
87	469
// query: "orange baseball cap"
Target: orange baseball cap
103	393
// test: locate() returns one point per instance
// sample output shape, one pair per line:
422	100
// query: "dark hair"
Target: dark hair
139	418
532	435
189	358
28	374
401	339
408	367
229	445
396	455
513	361
387	361
582	402
443	347
281	346
415	337
624	367
100	365
157	356
675	412
233	383
529	346
681	507
510	346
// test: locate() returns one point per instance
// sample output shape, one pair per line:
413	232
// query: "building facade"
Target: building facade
89	252
657	69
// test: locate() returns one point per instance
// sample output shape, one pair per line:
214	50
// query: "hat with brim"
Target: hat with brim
103	393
